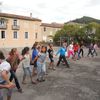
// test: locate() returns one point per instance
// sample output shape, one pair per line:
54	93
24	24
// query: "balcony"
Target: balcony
15	27
3	26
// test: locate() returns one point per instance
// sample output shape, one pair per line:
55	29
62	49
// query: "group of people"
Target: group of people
37	59
10	63
76	50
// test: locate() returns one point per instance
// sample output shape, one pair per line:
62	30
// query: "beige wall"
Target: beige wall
50	31
31	27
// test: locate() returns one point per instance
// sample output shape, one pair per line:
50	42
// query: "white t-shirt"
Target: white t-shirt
4	66
70	47
95	46
26	61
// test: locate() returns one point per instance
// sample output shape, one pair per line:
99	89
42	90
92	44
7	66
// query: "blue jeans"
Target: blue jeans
41	72
27	71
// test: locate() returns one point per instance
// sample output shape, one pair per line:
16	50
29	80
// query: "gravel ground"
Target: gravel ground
80	82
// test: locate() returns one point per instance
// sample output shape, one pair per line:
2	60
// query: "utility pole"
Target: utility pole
60	40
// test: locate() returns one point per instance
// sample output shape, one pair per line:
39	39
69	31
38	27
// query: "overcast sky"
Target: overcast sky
53	10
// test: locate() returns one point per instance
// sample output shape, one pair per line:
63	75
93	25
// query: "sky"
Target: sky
49	11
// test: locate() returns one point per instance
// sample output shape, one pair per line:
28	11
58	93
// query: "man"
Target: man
4	79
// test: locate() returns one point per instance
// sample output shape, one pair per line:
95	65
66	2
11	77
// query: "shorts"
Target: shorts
3	91
35	64
51	59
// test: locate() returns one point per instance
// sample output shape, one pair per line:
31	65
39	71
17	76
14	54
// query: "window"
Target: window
2	34
15	35
36	35
44	29
15	22
2	22
36	27
26	35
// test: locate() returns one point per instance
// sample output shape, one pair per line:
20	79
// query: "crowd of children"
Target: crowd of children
38	60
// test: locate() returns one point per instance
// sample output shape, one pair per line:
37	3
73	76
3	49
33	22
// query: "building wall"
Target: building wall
48	33
32	27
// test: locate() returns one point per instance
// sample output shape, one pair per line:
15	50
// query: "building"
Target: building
19	31
49	30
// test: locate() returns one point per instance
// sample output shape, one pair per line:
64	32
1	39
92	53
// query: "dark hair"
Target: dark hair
39	47
45	49
34	45
50	45
2	55
25	50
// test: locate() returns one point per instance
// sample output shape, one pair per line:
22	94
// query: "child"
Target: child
14	61
34	55
81	51
41	64
95	47
4	80
76	51
90	50
26	65
50	51
62	52
70	50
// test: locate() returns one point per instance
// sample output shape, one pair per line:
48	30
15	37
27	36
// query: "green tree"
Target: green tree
77	32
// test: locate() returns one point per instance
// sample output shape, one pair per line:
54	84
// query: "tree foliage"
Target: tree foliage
87	32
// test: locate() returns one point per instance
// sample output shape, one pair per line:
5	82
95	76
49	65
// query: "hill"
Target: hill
86	20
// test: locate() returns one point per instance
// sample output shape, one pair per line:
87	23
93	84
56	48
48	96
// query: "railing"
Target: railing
15	27
3	26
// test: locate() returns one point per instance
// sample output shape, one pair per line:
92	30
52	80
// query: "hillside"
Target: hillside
85	20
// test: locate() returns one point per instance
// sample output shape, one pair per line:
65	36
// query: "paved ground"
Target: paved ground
80	82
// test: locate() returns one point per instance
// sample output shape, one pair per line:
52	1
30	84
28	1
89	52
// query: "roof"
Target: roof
53	25
18	17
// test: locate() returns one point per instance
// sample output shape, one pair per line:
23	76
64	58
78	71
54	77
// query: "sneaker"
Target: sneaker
23	82
34	82
68	66
54	68
43	80
20	90
38	80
